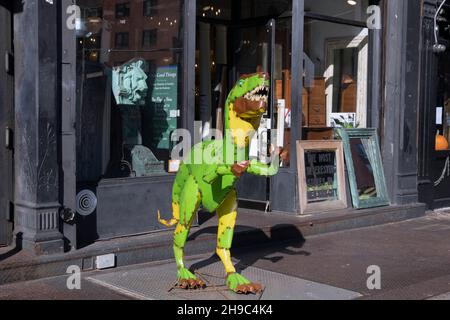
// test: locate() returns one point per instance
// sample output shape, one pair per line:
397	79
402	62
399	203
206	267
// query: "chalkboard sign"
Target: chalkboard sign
321	177
320	172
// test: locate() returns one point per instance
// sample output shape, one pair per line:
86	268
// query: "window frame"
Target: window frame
374	55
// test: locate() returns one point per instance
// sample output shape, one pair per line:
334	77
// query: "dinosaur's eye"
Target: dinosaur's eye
241	82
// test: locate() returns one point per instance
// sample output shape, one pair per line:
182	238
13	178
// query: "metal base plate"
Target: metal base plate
157	282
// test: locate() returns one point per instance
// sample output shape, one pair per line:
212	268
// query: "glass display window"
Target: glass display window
335	75
129	84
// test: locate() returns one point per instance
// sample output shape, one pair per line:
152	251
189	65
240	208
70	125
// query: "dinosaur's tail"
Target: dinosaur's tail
167	223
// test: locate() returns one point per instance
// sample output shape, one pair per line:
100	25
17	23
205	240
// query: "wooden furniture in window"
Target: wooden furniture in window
317	112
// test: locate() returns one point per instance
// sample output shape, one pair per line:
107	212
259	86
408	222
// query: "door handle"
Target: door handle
9	138
9	63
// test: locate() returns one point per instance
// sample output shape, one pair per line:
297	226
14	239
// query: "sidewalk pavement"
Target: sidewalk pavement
413	258
253	227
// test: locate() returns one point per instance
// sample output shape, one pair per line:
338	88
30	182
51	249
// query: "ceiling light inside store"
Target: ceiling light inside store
352	2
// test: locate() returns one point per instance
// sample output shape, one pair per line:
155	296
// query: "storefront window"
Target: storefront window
335	76
129	87
250	50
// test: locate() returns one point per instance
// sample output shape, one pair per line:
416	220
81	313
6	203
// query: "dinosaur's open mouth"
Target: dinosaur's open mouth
254	103
260	93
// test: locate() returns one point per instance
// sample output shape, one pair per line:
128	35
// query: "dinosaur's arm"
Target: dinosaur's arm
255	168
221	170
260	169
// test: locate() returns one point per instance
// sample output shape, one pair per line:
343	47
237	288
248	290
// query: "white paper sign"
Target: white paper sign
280	122
439	115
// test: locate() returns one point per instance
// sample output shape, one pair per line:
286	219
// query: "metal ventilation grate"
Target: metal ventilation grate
156	282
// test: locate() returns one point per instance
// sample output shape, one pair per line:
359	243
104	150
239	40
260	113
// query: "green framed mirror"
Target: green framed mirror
364	167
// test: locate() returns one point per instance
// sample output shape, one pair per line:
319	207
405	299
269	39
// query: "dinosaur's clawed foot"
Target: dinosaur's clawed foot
190	284
241	285
186	280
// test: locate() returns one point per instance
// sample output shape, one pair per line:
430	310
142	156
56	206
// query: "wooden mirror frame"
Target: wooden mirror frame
382	198
334	146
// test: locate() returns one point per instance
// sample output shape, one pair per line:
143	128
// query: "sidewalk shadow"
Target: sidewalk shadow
15	250
284	239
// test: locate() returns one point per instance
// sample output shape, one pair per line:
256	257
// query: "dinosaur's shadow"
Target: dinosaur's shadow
15	250
284	239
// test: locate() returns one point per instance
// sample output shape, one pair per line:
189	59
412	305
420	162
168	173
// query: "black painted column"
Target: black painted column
36	123
401	99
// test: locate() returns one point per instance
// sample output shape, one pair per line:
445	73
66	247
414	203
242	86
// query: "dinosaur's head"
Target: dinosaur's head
246	103
249	97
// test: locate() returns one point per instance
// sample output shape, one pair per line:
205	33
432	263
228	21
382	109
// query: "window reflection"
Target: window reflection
362	163
214	9
122	10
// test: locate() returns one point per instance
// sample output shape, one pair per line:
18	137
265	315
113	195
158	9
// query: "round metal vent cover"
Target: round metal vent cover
86	202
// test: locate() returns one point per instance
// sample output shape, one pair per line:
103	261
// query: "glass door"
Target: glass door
440	163
235	38
255	53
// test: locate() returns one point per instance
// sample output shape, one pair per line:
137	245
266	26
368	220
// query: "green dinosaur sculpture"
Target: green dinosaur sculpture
208	176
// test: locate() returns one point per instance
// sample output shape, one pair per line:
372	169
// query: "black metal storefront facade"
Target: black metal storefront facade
45	133
434	182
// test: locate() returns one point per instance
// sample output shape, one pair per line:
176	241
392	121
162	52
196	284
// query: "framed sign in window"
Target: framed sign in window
364	166
321	176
